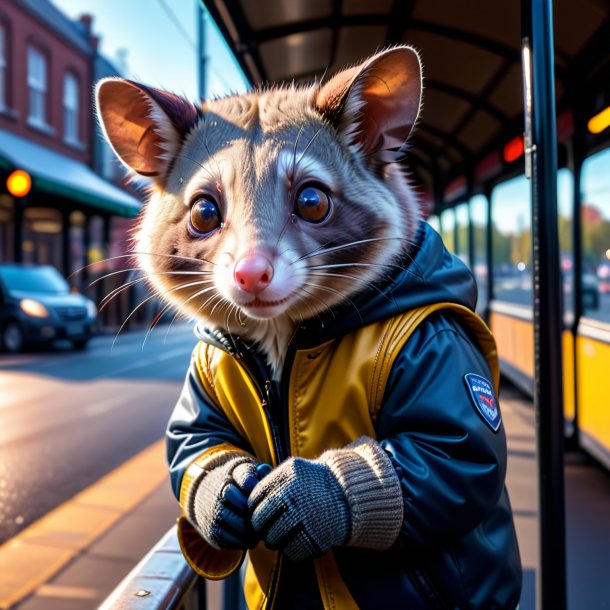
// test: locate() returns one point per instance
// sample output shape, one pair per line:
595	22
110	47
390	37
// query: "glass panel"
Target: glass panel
511	241
37	83
434	222
595	216
42	242
2	66
478	215
77	244
70	108
448	229
463	236
7	214
565	198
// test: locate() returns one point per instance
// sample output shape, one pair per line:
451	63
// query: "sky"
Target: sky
160	38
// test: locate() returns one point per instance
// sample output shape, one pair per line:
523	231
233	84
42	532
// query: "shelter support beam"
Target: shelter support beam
541	147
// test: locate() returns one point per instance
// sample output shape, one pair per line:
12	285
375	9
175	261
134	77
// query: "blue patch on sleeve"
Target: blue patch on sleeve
484	398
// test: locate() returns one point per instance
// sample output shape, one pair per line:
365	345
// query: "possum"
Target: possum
286	201
339	420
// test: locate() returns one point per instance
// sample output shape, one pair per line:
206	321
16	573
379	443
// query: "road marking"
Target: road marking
37	553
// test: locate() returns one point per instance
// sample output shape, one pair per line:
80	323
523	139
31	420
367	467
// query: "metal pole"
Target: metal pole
541	163
201	51
489	255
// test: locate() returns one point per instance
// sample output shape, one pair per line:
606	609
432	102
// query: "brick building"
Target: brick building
73	212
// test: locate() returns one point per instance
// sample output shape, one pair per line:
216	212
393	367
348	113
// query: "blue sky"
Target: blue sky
161	50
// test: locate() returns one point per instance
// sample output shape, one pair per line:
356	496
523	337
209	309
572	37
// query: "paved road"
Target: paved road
67	418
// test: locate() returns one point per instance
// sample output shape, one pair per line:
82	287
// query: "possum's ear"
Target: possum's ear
374	105
144	126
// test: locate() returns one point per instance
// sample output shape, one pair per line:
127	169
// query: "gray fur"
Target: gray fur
258	148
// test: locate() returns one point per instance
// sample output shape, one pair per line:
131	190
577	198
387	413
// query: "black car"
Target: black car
37	307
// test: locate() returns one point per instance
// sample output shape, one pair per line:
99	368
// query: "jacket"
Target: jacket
457	547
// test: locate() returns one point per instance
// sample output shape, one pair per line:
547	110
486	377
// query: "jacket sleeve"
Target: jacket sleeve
197	427
199	437
451	464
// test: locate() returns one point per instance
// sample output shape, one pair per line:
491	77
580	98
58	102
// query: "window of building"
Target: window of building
3	66
595	221
7	227
37	86
71	114
511	241
479	211
78	256
42	241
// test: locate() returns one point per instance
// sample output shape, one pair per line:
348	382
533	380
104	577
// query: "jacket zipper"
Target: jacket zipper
268	403
263	388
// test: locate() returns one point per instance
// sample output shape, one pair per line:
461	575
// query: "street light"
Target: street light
19	183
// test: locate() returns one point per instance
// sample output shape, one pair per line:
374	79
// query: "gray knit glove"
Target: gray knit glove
217	504
347	496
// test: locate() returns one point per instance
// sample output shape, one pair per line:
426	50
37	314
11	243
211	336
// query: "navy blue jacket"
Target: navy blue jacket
457	547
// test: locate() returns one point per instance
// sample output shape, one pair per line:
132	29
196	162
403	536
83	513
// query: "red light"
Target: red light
514	149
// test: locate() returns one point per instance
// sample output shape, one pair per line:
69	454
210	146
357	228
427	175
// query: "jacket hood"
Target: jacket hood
428	274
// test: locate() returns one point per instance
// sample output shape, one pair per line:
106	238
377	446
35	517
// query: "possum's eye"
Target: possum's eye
205	216
313	204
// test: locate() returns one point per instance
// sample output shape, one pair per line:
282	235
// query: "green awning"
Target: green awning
59	175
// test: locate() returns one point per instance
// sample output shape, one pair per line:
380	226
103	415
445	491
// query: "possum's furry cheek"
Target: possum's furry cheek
408	212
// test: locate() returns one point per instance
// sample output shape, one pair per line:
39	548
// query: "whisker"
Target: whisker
146	300
294	156
315	135
130	269
204	167
193	296
174	256
215	306
321	250
313	313
155	321
131	255
114	293
358	279
334	291
340	265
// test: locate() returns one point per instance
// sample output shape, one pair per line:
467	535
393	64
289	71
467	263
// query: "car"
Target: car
37	307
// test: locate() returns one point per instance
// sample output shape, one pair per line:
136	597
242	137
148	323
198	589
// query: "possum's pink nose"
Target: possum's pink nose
253	273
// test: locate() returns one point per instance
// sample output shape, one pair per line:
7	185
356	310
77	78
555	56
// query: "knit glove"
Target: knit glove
347	496
217	503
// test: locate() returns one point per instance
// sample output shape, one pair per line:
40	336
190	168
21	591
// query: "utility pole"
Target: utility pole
202	58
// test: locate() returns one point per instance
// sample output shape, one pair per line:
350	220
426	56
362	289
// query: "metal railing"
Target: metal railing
161	581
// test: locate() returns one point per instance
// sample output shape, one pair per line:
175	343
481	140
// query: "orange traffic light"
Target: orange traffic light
19	183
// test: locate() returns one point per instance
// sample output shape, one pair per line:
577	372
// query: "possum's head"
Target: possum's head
272	206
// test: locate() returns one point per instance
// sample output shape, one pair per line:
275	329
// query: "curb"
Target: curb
33	556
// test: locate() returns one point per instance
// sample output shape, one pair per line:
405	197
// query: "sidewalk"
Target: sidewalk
74	556
587	487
